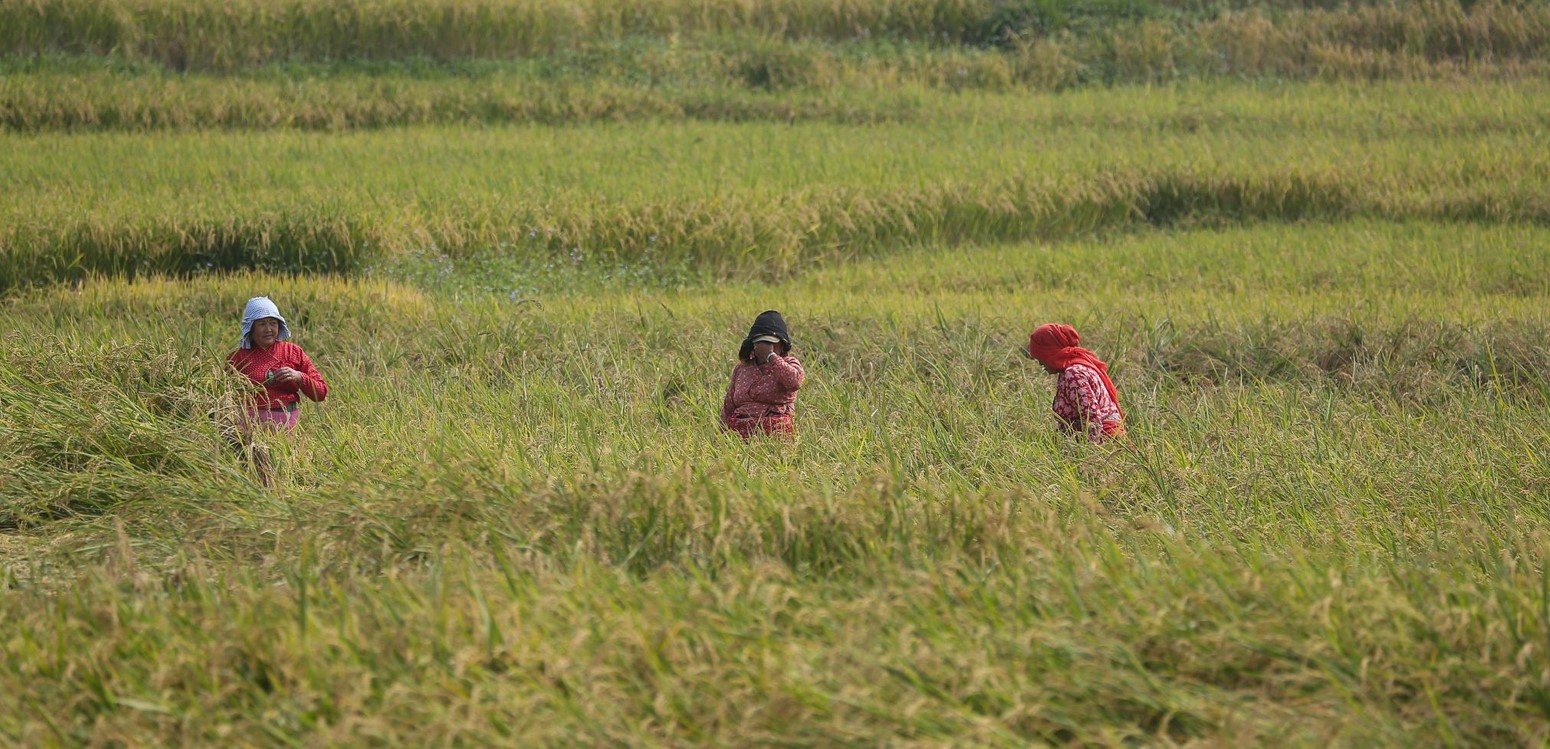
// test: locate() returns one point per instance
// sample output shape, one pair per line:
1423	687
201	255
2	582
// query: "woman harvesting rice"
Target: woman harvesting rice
762	396
1085	399
284	370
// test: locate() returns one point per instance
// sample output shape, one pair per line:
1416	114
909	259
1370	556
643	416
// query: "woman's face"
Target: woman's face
266	330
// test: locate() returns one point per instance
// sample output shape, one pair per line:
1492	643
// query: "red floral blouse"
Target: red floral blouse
1083	404
762	390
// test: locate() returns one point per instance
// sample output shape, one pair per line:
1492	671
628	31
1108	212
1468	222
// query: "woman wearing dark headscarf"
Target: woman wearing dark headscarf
1085	399
762	396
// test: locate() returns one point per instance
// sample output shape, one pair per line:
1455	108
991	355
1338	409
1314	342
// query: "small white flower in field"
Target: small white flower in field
532	234
576	255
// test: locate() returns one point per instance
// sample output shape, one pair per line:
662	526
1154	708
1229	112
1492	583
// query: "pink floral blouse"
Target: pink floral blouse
762	390
1083	404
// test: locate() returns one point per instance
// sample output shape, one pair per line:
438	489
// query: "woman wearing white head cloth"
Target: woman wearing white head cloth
265	357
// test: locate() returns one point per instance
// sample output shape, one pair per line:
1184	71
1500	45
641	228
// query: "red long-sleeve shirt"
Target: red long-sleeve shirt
257	363
760	390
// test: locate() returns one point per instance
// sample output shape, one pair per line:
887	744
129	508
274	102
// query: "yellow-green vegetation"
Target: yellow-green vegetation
522	240
766	197
516	522
334	64
1105	38
153	64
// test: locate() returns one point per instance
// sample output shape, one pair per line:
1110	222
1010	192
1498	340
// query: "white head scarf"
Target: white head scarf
258	308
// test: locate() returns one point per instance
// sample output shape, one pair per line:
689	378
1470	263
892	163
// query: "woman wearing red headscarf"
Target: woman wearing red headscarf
1085	400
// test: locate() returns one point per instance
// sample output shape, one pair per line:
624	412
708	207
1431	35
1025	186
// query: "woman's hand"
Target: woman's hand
287	376
762	352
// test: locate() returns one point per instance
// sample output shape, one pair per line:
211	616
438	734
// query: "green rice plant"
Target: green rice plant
1322	524
236	35
735	77
87	430
1414	36
733	198
1114	40
515	520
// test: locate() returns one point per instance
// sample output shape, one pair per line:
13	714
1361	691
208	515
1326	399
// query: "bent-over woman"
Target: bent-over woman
1085	399
762	396
265	357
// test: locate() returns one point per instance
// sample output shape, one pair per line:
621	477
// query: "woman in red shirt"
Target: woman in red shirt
762	396
265	357
1085	399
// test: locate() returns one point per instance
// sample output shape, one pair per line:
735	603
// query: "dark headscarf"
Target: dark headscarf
769	322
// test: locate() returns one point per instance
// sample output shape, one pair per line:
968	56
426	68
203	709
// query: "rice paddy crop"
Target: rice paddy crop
1105	40
523	249
1333	505
733	197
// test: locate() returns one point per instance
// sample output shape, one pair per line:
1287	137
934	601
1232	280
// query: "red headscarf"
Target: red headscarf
1056	345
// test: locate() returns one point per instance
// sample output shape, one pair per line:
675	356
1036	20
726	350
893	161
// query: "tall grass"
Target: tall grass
767	198
98	100
227	36
90	430
513	522
761	82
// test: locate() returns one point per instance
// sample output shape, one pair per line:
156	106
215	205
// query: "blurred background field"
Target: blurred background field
763	197
1048	42
522	241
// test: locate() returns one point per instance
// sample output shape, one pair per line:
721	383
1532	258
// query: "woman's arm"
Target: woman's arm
786	370
312	384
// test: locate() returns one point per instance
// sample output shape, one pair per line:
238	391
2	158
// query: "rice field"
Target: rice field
515	522
1108	41
764	197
